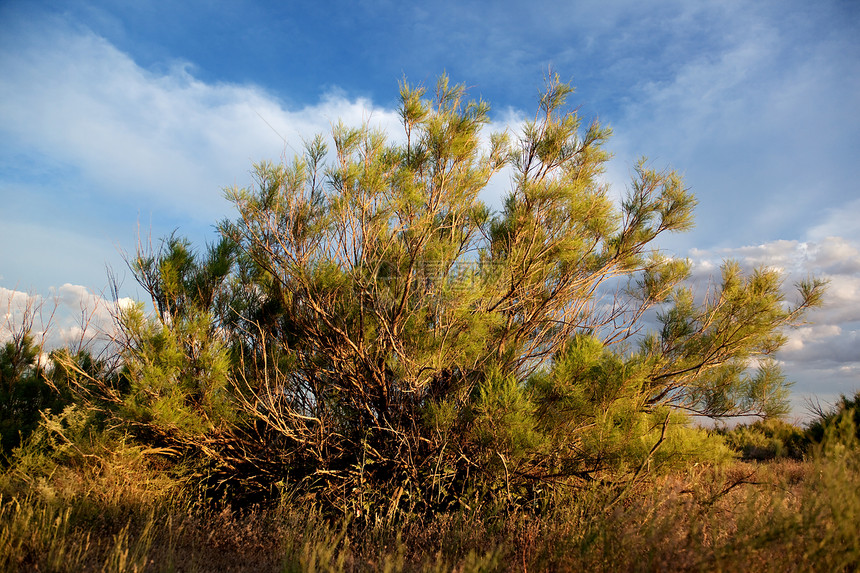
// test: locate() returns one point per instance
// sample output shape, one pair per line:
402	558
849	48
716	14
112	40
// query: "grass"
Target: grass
764	516
101	503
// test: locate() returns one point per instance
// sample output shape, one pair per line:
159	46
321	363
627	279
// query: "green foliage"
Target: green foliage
701	358
770	438
179	283
22	391
368	335
58	440
385	320
72	458
27	388
177	375
835	501
172	388
367	325
831	421
596	413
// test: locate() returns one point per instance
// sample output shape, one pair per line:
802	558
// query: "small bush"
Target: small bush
827	419
766	439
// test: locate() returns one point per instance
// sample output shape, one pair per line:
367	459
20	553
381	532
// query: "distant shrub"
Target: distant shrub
839	414
28	386
767	439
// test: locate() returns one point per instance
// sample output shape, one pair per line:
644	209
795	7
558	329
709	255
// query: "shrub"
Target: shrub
368	333
828	419
766	439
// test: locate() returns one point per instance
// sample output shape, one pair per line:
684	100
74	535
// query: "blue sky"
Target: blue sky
121	120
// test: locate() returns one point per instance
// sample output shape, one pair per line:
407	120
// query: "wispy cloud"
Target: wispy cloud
766	121
92	142
164	140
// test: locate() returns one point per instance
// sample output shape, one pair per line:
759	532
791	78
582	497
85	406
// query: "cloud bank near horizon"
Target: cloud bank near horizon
69	316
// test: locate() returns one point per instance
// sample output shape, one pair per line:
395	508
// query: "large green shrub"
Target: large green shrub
369	334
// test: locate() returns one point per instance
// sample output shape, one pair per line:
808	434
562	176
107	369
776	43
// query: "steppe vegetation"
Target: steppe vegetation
370	371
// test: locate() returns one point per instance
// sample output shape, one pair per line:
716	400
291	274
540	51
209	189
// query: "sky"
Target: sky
121	122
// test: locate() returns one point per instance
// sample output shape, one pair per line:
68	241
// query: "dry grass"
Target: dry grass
777	516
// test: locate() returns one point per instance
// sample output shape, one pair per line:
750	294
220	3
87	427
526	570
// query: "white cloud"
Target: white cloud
164	137
68	316
831	346
805	335
94	143
831	256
